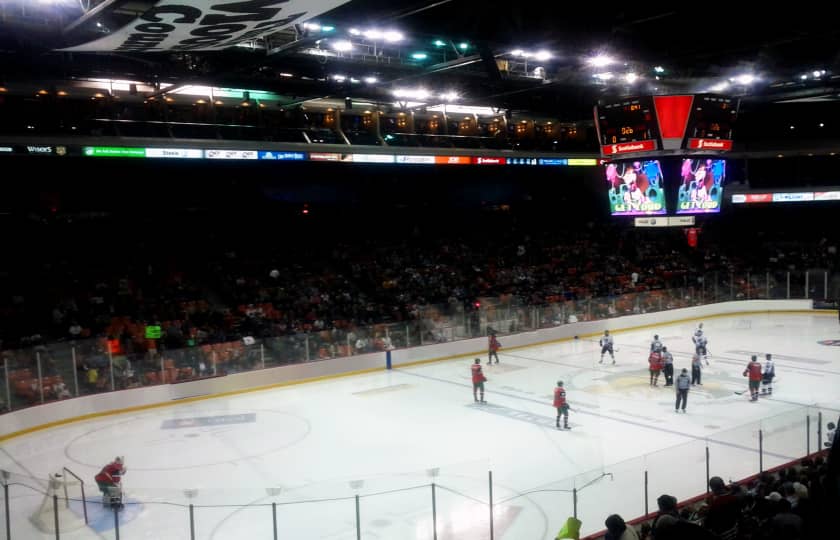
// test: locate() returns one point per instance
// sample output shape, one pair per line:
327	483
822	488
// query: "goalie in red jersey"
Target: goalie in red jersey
110	475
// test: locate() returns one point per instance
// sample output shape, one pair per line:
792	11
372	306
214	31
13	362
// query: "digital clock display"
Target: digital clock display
712	117
627	121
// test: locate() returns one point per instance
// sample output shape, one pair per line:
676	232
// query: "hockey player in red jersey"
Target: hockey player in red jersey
493	347
655	363
478	379
753	371
561	405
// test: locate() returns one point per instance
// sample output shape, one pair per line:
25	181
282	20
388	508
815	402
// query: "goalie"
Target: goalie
108	481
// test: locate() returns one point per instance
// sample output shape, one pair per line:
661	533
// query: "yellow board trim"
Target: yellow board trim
113	412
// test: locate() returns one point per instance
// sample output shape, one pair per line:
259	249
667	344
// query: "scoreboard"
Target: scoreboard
647	124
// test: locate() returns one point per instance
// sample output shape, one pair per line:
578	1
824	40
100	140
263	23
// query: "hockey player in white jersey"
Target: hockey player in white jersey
700	344
656	345
606	343
767	375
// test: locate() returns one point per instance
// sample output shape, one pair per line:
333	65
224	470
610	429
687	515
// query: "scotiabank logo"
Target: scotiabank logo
642	146
710	144
489	161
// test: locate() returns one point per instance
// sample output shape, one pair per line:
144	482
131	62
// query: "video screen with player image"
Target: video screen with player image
635	188
701	188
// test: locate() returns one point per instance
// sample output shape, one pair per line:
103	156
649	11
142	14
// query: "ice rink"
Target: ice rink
387	436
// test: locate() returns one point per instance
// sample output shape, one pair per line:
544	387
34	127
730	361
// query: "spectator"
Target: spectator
618	530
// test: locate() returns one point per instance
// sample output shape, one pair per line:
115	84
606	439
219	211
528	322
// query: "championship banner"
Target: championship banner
189	25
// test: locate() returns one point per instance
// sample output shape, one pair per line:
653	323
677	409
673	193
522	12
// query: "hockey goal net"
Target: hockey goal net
64	507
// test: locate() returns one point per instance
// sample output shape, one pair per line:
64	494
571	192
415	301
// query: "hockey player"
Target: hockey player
656	345
753	371
700	343
696	369
607	346
683	384
668	366
768	375
109	477
655	363
561	405
493	347
478	379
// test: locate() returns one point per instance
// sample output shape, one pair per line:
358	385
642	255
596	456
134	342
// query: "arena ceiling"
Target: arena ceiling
553	58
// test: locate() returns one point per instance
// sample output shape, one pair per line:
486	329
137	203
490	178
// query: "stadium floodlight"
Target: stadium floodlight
342	45
449	96
419	56
355	31
439	43
659	69
542	56
605	76
339	78
631	77
744	79
720	87
417	93
327	28
371	80
600	60
312	26
463	45
392	36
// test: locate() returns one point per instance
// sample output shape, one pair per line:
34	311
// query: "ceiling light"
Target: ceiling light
200	102
601	60
439	43
517	52
603	76
392	36
342	45
542	56
822	125
720	87
371	80
745	79
803	77
792	127
463	45
218	102
327	28
355	31
419	56
42	92
286	75
659	69
418	93
449	96
816	73
61	93
312	26
339	78
631	77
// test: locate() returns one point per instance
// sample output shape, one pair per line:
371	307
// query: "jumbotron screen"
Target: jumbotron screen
636	188
701	186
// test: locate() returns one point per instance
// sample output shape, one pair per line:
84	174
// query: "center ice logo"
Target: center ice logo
830	342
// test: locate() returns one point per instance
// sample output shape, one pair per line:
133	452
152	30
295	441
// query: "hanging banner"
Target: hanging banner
190	25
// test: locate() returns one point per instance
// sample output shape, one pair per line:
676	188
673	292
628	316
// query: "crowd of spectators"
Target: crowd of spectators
793	503
305	299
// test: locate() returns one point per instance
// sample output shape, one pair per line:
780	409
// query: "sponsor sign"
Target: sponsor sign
827	196
202	421
793	197
453	160
113	151
553	161
282	156
324	156
230	154
32	149
722	145
582	162
372	158
176	153
626	148
489	161
417	160
184	25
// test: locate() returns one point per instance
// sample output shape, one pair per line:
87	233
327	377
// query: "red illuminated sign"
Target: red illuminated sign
710	144
452	160
625	148
489	161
